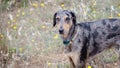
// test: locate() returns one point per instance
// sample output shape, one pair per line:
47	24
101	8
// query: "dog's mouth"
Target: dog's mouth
64	36
61	33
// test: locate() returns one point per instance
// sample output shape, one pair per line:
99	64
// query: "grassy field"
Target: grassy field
28	40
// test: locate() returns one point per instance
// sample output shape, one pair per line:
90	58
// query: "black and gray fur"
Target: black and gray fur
92	38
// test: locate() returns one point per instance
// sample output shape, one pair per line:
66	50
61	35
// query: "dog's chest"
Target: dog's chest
73	47
72	52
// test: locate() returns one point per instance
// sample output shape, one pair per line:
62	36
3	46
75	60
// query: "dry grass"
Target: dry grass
30	41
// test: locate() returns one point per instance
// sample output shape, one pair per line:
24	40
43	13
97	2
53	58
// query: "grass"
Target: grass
31	40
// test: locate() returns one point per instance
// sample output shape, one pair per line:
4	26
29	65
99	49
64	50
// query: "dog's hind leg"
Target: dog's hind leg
118	62
118	47
119	51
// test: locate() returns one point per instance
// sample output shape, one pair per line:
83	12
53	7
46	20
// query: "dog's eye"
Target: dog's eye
67	19
57	19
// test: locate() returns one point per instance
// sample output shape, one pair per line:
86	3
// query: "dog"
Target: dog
86	39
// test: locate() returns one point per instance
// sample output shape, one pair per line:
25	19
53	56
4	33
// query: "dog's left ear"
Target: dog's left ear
54	19
74	17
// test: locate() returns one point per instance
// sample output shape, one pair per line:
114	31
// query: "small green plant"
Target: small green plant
110	56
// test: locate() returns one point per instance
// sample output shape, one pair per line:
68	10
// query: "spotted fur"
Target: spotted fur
92	37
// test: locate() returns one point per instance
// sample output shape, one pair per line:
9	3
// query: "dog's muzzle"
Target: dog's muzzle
61	31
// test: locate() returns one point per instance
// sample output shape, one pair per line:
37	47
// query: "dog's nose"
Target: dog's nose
61	31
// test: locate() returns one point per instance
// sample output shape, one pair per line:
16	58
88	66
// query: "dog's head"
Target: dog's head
64	20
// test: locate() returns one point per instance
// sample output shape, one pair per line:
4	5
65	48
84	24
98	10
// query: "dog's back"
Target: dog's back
103	34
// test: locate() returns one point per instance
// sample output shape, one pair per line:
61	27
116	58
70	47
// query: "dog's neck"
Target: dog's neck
71	36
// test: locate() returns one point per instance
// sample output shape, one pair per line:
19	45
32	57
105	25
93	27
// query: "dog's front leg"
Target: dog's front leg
72	65
81	64
82	59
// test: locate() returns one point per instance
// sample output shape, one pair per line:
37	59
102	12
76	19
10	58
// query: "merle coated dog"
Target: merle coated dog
86	39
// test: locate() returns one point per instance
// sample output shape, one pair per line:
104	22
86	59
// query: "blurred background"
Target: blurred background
28	40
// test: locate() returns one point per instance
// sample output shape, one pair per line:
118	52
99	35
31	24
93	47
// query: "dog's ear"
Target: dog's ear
74	17
54	19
